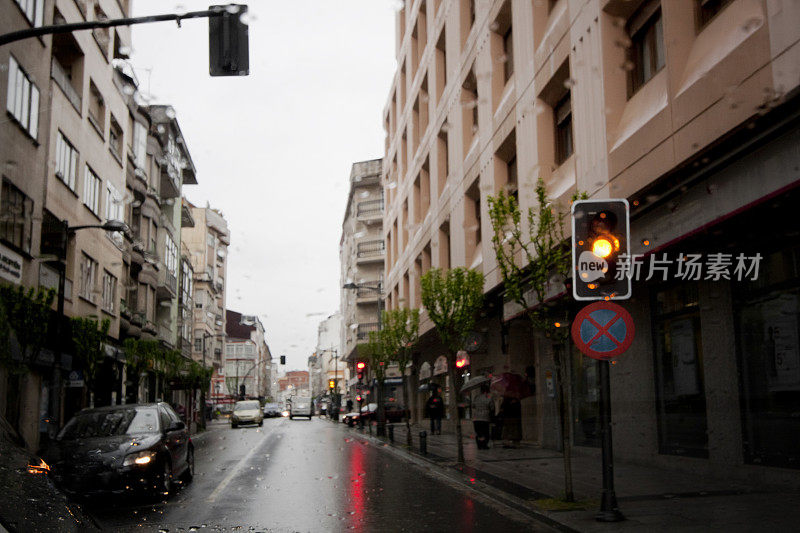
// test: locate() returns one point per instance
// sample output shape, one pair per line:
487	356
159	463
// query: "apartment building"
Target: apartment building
207	242
362	249
248	360
689	110
328	351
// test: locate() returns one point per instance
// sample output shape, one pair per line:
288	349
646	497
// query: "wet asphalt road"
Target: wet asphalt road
296	475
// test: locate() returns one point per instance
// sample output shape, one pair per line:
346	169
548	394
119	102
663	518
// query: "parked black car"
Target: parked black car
122	448
273	409
29	496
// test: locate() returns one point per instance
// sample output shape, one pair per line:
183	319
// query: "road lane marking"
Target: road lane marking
231	474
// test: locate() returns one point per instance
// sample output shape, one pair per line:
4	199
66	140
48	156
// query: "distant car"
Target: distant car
246	412
30	501
300	406
272	410
394	414
122	448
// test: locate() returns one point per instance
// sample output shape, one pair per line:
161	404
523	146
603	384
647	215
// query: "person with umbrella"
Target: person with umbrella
482	412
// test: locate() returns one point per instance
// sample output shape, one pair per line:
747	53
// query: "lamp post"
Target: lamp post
65	231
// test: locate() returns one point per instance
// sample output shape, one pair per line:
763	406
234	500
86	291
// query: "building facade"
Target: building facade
248	359
207	242
686	109
362	250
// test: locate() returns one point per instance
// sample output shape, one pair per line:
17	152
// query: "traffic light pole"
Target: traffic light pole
609	510
94	24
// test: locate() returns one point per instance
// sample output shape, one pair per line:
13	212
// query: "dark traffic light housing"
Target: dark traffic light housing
600	235
228	43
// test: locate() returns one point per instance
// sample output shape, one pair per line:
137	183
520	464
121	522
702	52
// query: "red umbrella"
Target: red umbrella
514	385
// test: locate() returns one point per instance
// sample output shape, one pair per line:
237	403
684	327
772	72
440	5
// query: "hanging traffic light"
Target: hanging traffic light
283	360
360	368
228	43
331	383
600	235
462	360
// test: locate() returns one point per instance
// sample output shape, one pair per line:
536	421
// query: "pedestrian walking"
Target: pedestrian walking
435	408
482	409
511	411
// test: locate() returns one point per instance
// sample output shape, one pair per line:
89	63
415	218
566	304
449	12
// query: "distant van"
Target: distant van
300	406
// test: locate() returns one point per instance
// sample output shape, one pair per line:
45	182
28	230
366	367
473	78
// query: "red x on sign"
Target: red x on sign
603	330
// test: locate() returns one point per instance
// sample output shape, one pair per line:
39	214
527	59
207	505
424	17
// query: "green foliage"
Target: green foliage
380	351
452	299
27	314
402	333
88	338
541	241
141	354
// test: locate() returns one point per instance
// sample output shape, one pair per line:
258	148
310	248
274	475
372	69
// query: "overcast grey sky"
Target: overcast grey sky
273	150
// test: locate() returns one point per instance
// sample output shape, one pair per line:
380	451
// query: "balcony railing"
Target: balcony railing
364	329
365	292
61	78
370	249
369	208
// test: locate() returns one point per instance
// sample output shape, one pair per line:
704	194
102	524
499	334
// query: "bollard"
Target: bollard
369	426
391	432
423	442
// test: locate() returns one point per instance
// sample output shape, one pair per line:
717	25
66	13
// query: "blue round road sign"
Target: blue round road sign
603	330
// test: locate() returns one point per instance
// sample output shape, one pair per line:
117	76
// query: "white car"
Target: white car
300	407
246	412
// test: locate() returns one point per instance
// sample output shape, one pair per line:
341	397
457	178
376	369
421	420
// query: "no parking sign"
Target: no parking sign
603	330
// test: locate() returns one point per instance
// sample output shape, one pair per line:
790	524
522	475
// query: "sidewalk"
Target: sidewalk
651	499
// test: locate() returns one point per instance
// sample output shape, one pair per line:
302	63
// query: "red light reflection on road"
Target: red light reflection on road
356	488
468	515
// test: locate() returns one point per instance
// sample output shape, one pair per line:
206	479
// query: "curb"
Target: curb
457	476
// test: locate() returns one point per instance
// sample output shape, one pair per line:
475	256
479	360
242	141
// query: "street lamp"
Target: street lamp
378	289
66	231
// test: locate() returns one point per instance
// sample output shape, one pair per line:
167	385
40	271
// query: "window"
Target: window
97	109
23	98
66	161
17	217
647	45
171	255
441	65
505	167
101	35
91	191
502	47
109	291
563	119
199	298
443	166
88	278
113	203
508	53
115	139
198	344
33	10
140	145
469	108
708	9
472	224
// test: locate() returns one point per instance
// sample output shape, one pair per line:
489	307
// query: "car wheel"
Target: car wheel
291	417
163	484
188	474
234	425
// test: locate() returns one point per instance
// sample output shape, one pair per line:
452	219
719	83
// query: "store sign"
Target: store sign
10	265
440	366
425	370
74	379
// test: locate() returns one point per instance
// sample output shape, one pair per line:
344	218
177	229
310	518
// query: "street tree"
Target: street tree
27	315
534	260
402	331
380	352
88	339
452	300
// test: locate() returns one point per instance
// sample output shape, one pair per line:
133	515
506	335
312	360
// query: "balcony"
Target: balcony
187	221
369	251
364	329
369	210
167	287
61	78
165	334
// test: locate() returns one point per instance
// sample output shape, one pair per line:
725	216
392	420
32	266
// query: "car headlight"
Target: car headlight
139	458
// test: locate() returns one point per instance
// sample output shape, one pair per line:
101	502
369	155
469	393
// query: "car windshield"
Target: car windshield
246	406
109	423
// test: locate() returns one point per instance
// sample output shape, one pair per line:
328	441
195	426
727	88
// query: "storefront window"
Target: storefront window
768	324
680	393
585	400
